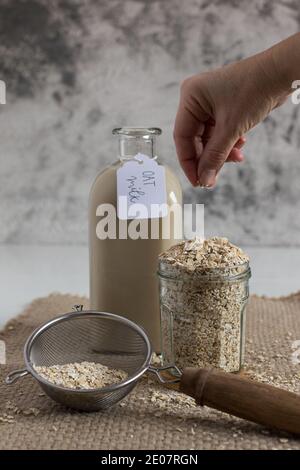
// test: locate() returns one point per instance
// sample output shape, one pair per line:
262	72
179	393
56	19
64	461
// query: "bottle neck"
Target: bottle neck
130	146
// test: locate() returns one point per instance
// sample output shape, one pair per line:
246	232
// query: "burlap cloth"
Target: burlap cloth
149	418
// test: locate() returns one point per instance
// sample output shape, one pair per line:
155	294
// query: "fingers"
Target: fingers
218	149
189	123
235	156
187	158
192	150
241	142
186	128
202	146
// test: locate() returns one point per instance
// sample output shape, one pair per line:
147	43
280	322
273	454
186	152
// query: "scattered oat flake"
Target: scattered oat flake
6	420
31	411
156	359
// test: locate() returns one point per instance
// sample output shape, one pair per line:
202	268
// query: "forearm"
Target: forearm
286	61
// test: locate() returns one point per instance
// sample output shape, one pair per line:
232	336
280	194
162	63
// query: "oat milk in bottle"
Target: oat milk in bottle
123	271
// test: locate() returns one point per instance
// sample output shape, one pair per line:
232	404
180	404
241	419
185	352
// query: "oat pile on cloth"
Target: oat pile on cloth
151	417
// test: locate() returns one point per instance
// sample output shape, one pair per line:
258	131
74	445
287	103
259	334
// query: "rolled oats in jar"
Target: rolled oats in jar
204	288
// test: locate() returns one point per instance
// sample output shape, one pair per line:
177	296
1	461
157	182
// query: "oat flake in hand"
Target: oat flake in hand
203	291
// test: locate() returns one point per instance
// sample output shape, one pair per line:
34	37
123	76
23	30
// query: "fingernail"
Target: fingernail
207	178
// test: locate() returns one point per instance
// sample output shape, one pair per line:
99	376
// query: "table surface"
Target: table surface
27	272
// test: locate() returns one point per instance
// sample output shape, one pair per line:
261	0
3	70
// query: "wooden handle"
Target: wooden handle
242	397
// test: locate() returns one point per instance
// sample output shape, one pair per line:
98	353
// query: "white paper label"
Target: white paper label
141	189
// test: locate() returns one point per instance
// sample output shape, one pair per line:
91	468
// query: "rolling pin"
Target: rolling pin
242	397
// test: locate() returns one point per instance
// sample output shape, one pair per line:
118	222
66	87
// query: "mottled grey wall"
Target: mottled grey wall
76	69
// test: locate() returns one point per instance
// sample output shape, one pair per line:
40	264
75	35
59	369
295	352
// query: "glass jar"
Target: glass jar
123	269
203	316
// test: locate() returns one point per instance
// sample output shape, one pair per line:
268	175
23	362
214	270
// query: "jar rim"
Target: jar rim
137	131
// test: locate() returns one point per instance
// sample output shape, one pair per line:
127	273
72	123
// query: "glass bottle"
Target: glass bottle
123	271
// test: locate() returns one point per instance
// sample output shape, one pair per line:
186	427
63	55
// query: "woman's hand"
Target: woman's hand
217	108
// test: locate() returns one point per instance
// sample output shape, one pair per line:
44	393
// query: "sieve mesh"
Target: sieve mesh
95	337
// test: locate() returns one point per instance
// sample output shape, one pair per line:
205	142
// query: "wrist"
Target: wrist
270	81
285	59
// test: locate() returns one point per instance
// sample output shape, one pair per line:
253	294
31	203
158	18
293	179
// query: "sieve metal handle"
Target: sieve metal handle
165	379
15	375
77	308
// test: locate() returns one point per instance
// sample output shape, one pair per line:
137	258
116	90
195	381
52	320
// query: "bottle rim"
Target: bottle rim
137	131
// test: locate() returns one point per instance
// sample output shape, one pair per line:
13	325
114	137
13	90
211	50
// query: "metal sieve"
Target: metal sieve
119	343
98	337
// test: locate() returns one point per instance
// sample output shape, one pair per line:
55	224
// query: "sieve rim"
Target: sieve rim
87	313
